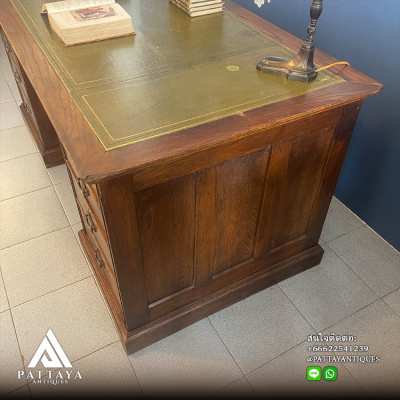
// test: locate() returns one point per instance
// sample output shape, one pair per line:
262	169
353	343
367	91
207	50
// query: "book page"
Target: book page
72	5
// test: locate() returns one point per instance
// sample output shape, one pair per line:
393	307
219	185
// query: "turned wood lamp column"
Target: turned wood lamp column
301	67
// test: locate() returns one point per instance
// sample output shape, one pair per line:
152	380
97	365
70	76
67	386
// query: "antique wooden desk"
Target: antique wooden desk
199	180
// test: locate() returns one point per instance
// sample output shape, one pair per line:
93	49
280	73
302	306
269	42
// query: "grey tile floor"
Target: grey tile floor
255	345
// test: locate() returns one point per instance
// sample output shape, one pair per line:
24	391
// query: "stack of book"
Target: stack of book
196	8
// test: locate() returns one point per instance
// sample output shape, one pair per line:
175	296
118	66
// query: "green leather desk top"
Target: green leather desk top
176	73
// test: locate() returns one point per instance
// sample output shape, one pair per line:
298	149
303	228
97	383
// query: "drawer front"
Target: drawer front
95	231
93	224
87	194
103	259
87	202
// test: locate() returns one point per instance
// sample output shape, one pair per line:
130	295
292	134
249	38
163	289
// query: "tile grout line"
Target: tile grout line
223	389
392	309
12	392
360	277
343	234
23	125
13	126
35	237
93	276
228	350
352	315
18	157
225	345
50	292
93	352
13	323
391	292
276	357
349	266
368	226
25	194
136	375
294	305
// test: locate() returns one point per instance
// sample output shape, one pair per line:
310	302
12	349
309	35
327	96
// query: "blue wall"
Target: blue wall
366	33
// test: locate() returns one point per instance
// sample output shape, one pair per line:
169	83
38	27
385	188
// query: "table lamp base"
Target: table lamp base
301	67
294	69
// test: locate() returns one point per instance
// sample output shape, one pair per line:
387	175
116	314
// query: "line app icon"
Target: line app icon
313	373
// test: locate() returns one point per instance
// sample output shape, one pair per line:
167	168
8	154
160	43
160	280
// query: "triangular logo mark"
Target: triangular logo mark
50	353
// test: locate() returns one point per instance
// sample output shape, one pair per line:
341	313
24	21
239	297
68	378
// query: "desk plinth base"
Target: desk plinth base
202	308
156	330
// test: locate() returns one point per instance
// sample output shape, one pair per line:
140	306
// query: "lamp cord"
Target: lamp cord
325	67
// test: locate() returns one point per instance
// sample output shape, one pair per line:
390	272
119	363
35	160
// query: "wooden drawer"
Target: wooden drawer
92	220
96	232
104	263
87	194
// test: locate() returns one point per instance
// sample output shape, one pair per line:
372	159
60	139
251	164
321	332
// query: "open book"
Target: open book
83	21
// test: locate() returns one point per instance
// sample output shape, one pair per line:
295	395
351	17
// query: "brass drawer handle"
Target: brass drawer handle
90	223
99	260
26	108
7	45
84	189
17	77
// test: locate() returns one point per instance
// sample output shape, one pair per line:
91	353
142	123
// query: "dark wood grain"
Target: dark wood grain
239	191
166	228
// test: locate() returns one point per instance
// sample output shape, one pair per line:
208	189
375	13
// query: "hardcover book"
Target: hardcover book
197	8
77	21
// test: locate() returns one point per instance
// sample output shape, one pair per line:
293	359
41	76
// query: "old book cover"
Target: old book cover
78	22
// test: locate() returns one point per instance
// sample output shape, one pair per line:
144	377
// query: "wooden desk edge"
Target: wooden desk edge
93	164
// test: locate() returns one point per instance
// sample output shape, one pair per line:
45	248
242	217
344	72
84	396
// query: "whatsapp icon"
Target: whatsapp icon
330	373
